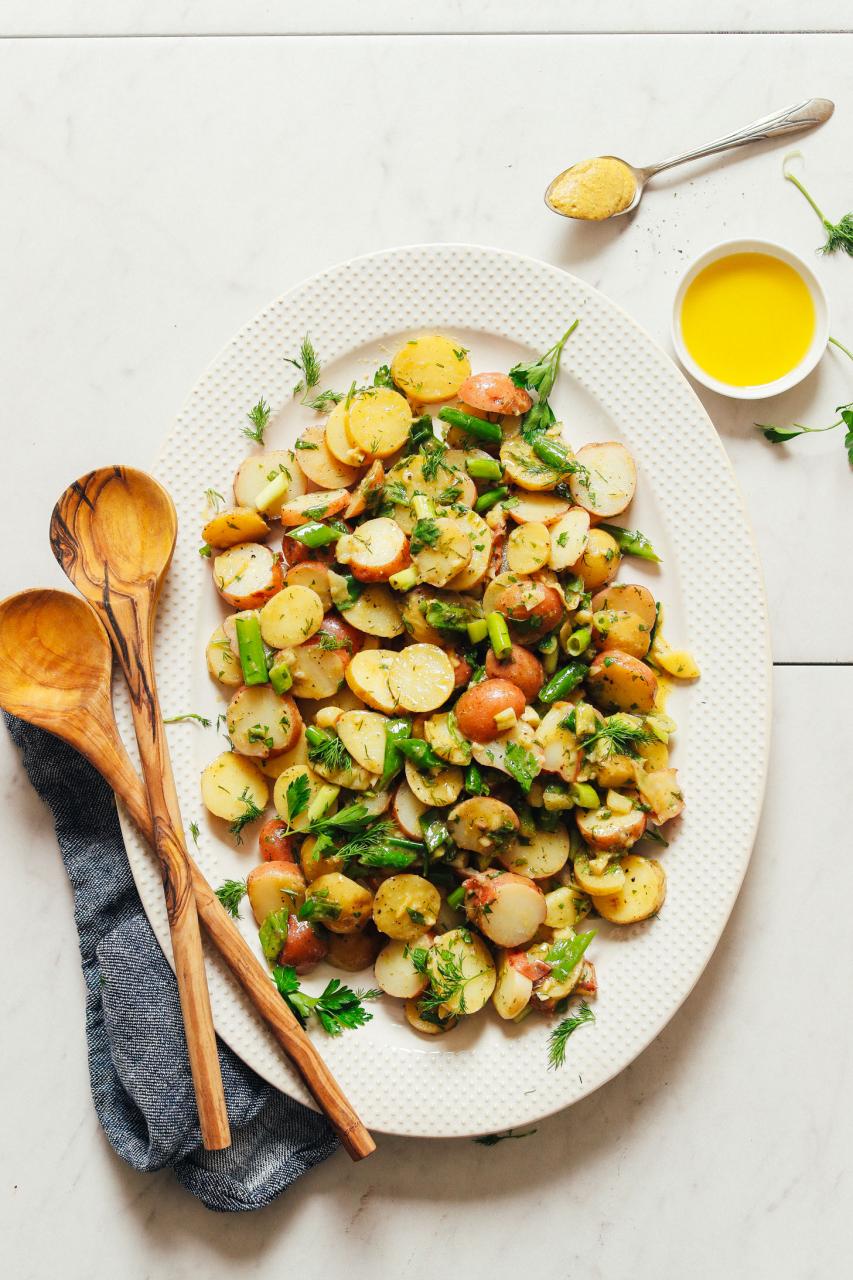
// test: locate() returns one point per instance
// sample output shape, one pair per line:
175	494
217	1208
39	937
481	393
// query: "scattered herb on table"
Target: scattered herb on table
492	1139
781	435
189	715
839	235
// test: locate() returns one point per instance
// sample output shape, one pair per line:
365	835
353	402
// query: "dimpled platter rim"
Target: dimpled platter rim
615	383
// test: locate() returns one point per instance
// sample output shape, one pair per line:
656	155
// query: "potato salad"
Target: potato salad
442	678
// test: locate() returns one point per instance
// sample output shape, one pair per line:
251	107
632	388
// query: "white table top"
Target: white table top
157	192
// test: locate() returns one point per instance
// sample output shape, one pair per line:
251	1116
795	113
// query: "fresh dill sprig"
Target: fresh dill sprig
839	235
214	499
432	453
619	737
194	832
558	1038
365	843
320	403
189	715
231	894
781	435
336	1008
307	364
332	754
250	813
492	1139
329	642
425	534
259	417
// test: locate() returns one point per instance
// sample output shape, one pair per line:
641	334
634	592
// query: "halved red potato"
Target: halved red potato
600	561
304	947
494	393
532	609
369	488
262	722
607	486
376	612
460	952
394	971
660	789
367	676
543	855
421	678
291	616
274	842
405	905
314	506
229	782
274	885
222	662
568	538
521	668
349	639
316	672
482	824
375	550
319	464
313	574
507	908
430	369
481	538
478	706
618	629
353	952
247	575
629	596
513	988
462	669
545	508
258	471
605	830
377	421
363	735
447	556
642	894
525	468
236	524
407	810
619	682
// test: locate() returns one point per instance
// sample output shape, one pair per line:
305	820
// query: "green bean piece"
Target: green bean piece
490	499
315	534
484	468
280	677
272	934
477	630
563	681
477	427
475	783
420	753
411	846
585	796
578	641
250	647
499	635
395	730
632	542
435	832
554	455
456	898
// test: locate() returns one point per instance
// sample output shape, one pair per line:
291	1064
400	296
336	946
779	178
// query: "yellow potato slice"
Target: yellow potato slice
451	552
377	421
528	547
469	954
394	971
630	597
544	508
642	894
286	779
431	369
450	478
608	485
421	677
298	754
293	614
338	442
481	550
435	789
568	538
404	906
543	855
367	676
258	471
229	782
446	742
526	469
376	613
313	574
363	735
320	465
237	524
222	662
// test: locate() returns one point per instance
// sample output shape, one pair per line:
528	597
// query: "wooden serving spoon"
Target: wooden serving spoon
113	532
55	666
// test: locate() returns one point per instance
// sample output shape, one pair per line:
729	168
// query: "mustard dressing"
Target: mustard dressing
593	189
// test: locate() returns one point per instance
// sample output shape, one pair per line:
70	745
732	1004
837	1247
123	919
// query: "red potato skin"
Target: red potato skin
525	602
260	597
461	669
521	668
297	553
274	844
382	574
477	708
642	673
481	891
351	639
304	948
494	393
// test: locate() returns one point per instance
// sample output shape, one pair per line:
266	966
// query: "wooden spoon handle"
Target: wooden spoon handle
248	971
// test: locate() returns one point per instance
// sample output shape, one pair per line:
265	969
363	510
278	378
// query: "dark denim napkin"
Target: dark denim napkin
137	1054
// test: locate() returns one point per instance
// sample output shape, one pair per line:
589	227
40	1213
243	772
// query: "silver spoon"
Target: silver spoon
803	115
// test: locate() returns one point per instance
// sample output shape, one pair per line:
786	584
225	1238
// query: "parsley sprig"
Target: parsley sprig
337	1007
781	435
540	376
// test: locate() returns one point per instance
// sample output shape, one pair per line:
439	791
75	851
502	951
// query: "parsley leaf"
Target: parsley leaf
298	795
521	764
424	534
336	1008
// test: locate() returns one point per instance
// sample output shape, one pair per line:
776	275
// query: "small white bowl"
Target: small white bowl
818	343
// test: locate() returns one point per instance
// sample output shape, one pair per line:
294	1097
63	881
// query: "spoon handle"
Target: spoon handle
803	115
113	762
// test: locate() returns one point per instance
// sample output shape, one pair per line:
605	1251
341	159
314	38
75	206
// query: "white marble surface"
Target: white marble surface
156	193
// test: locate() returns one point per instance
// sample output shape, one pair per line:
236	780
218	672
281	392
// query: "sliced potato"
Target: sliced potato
313	506
449	478
610	480
447	556
464	954
231	784
316	672
430	1024
630	597
544	508
376	613
435	789
493	754
600	561
236	524
526	469
261	722
560	751
315	865
375	550
568	538
338	442
543	855
378	421
367	676
659	788
394	971
286	779
561	907
509	909
482	824
363	735
618	682
413	619
344	905
446	740
320	465
274	885
617	629
421	677
513	989
291	616
369	489
482	539
354	777
259	470
314	575
528	547
354	952
407	810
642	894
598	881
404	906
222	662
274	766
431	369
603	829
247	575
